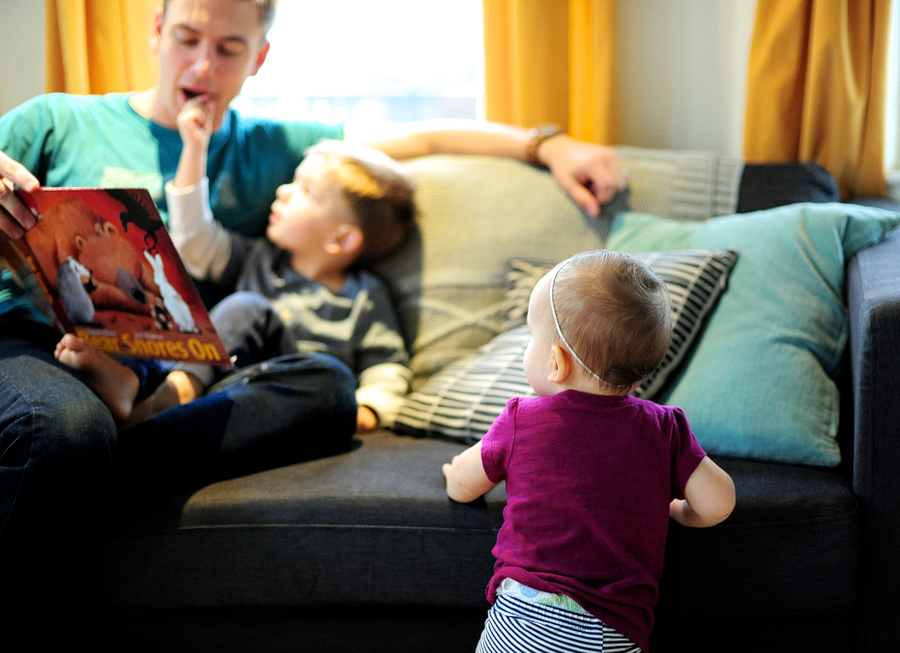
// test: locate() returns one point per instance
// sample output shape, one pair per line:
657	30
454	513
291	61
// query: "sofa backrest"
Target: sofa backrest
680	184
475	213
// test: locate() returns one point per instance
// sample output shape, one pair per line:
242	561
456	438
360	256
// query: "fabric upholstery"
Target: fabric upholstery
767	185
351	530
475	213
449	277
778	333
462	400
874	293
334	554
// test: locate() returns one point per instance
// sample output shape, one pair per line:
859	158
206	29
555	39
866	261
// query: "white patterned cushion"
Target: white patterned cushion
474	214
681	184
463	400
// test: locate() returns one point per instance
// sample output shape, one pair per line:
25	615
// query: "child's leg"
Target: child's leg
279	412
179	387
252	333
116	385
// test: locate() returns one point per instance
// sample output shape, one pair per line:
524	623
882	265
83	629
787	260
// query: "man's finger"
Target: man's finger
606	183
15	217
582	195
9	226
17	173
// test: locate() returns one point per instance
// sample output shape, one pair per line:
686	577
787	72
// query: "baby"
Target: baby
300	289
592	473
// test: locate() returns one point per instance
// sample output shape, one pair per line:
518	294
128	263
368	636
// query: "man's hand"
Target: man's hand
591	174
15	217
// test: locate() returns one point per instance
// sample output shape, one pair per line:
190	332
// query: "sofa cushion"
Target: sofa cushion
790	547
374	527
761	382
474	213
767	185
464	399
681	184
477	212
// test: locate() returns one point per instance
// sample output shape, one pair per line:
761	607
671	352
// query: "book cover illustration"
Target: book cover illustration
111	274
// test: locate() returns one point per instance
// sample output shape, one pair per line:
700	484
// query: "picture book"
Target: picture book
100	264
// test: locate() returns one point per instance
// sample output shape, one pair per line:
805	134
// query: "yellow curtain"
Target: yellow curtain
553	62
816	88
100	46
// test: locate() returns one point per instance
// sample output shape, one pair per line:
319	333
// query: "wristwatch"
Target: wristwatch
538	135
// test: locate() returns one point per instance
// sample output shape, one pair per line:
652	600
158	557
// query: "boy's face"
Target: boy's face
537	359
206	48
308	210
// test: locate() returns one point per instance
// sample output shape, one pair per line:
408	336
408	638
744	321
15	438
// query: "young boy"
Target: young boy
592	474
300	288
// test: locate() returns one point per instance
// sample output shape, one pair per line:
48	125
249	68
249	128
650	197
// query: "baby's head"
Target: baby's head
609	312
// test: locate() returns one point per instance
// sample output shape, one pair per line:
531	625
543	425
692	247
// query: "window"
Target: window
892	113
371	62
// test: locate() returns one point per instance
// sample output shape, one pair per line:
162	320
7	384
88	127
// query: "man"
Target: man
57	440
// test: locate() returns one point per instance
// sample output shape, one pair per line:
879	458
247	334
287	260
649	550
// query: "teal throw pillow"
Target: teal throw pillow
761	382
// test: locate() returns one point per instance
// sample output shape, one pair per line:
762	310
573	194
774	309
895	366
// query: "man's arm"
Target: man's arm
591	174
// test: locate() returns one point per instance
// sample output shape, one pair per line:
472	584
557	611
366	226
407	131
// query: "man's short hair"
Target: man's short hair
378	190
266	12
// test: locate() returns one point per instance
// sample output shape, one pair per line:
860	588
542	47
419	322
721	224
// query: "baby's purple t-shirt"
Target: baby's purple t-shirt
589	480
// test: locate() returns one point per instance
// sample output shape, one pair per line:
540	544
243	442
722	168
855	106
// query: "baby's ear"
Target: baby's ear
560	365
347	239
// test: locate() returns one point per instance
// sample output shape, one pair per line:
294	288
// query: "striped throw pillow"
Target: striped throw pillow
463	400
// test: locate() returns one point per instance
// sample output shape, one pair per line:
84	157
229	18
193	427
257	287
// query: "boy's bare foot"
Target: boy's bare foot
116	385
178	388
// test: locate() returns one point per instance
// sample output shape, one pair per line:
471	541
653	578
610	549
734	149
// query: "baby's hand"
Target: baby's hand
676	510
195	122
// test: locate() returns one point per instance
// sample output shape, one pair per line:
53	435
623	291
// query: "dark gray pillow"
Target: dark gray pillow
767	185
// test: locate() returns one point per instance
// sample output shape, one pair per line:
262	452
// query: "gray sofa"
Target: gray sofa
364	551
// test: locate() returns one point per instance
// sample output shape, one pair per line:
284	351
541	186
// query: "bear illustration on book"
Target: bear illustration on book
72	241
109	270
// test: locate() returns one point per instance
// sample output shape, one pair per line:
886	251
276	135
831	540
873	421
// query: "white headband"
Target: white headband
559	329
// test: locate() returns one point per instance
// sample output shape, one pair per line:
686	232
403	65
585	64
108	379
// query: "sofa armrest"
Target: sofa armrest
873	295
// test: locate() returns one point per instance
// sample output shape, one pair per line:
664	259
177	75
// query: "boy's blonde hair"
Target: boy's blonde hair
378	190
615	314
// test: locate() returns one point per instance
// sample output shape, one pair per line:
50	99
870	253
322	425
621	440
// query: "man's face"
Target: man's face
206	48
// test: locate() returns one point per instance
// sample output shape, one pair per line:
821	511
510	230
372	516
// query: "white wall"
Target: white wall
682	72
682	67
21	52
